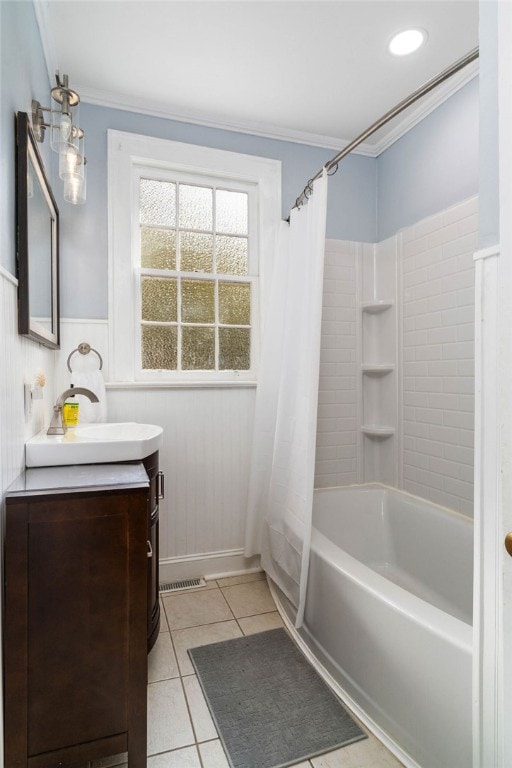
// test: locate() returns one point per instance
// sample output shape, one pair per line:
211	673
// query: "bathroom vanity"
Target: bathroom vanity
76	613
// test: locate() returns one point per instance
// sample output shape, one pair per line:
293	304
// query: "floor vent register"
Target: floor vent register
185	584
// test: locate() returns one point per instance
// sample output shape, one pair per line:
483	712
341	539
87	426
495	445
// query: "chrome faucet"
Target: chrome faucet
56	426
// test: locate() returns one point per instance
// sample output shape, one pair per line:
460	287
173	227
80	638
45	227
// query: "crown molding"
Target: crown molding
430	103
196	117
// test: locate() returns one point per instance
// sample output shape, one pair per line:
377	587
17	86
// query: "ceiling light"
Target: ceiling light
407	41
66	137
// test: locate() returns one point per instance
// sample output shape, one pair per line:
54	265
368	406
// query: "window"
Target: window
190	230
195	286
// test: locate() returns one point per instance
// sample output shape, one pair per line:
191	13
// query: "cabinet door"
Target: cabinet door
85	608
78	608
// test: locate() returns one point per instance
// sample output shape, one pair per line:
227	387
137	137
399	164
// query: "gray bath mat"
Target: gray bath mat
270	707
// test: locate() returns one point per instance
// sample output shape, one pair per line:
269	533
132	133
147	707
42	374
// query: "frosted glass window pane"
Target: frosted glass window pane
234	349
157	202
234	303
159	299
197	301
196	252
231	212
159	347
196	207
157	248
198	349
231	255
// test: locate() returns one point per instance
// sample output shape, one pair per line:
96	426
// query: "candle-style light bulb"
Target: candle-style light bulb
74	189
65	126
69	160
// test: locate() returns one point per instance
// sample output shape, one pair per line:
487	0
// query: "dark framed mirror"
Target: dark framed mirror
37	227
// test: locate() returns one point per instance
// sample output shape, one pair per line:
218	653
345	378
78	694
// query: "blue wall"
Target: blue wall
23	77
432	167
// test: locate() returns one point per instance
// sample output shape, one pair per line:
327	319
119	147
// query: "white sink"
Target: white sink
94	444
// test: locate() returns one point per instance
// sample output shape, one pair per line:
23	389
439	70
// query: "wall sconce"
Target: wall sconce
66	137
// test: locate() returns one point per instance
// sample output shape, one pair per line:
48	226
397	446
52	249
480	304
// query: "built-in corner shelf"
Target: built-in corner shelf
375	307
377	317
377	432
380	369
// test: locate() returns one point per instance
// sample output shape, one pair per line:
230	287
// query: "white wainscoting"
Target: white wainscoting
205	458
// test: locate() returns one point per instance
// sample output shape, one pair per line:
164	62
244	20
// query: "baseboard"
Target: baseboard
211	565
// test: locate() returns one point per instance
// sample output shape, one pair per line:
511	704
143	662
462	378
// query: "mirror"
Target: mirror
37	221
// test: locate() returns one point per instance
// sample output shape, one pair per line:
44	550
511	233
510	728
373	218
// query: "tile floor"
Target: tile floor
181	733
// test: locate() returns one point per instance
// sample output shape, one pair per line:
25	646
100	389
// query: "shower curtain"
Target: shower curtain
283	453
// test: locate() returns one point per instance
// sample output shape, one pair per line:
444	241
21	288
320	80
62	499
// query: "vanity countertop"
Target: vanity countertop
79	477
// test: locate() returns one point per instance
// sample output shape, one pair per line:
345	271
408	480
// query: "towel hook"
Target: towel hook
84	348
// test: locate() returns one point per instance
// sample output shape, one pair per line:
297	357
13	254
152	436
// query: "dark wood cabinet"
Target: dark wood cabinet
76	616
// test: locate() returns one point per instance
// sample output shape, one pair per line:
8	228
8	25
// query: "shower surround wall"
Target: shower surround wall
337	436
438	356
434	381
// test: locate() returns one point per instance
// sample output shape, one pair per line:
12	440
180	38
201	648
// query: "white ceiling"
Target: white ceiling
315	71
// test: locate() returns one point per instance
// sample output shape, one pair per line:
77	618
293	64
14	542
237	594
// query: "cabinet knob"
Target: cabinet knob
150	550
508	543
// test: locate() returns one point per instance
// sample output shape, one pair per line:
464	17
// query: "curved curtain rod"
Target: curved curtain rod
414	96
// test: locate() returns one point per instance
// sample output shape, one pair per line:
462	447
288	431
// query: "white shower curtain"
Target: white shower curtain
283	454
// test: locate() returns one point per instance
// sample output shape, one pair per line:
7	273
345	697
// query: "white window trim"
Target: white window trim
127	151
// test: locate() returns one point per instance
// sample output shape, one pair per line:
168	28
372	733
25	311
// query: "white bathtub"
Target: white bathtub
389	614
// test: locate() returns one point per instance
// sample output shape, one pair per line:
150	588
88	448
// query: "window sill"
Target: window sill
234	384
